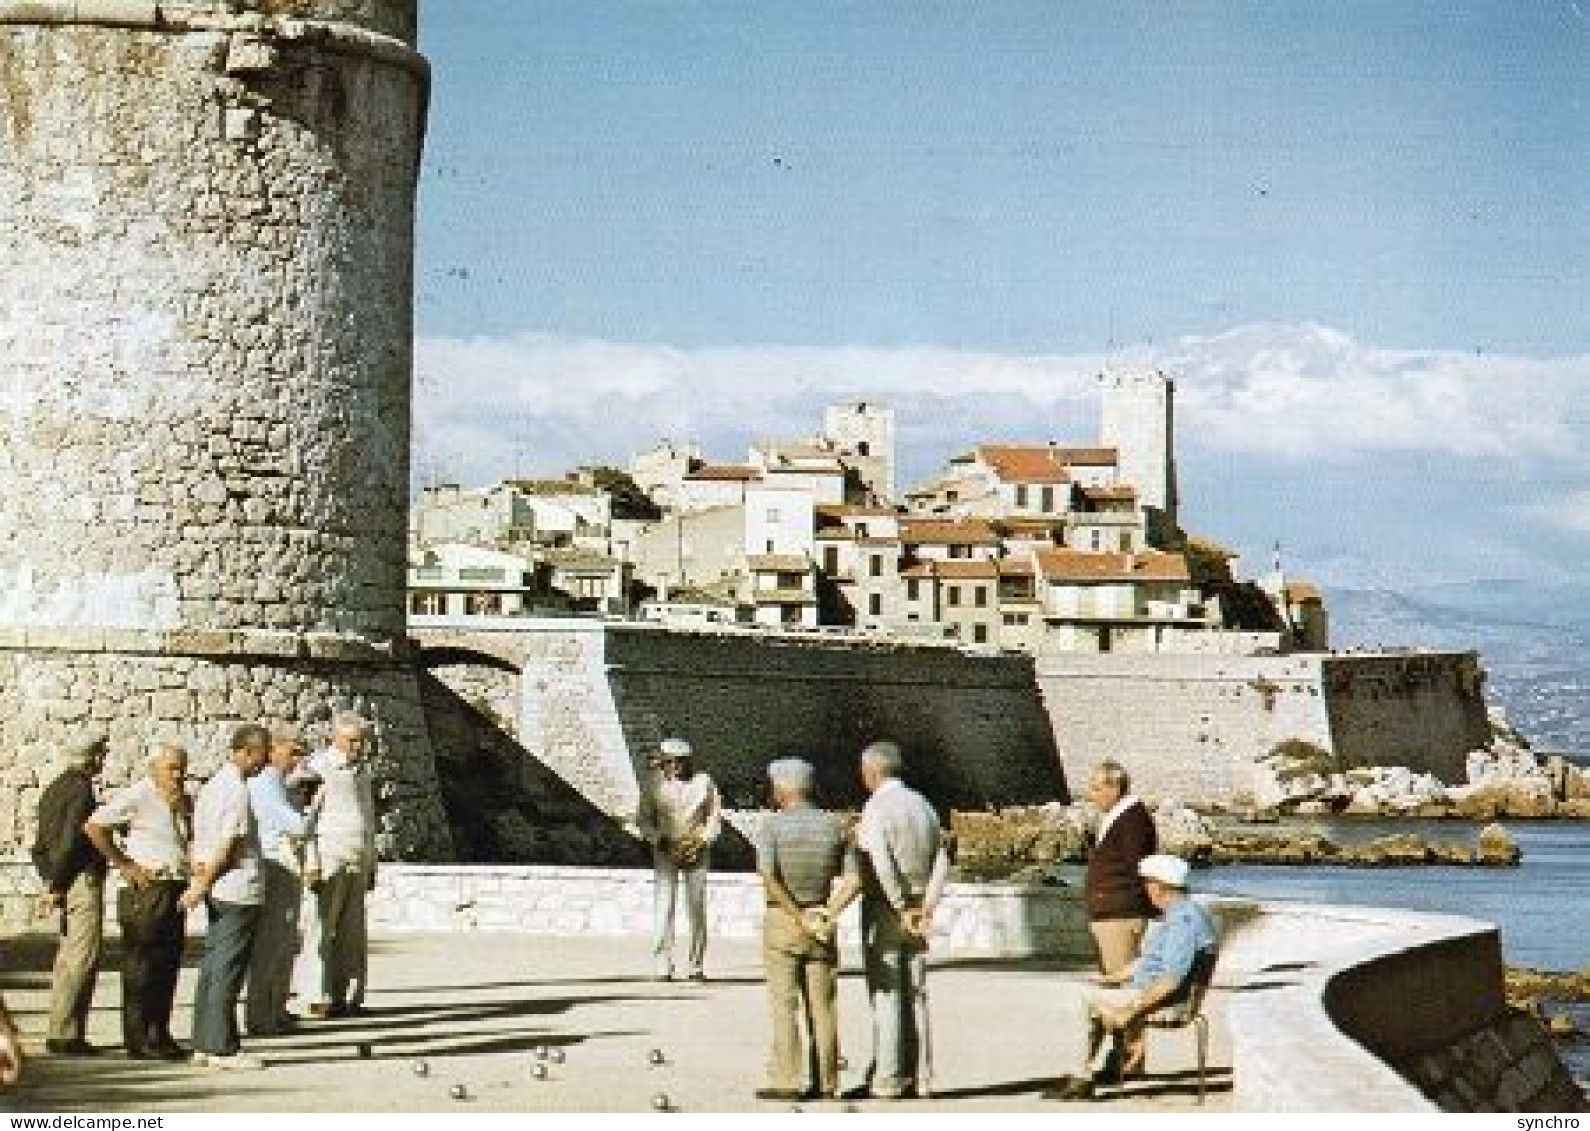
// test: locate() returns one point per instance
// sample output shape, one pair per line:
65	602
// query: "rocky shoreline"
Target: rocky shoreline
1023	843
1544	992
1506	780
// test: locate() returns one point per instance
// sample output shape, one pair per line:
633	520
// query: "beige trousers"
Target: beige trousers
77	957
802	980
1118	941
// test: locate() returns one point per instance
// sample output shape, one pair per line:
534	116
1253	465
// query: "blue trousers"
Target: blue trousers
227	945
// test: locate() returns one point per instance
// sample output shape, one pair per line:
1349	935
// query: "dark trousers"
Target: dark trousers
151	933
227	946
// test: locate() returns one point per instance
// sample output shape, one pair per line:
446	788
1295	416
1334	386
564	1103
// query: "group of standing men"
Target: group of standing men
813	865
1150	937
271	824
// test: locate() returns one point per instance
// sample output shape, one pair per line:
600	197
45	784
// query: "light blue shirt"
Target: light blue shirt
1173	942
900	838
274	811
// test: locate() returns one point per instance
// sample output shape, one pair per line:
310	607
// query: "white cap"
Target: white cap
1169	870
675	748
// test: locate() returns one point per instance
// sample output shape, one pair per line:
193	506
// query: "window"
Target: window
980	596
772	516
861	530
1048	499
960	551
482	604
863	448
1096	539
913	590
950	496
979	634
769	545
875	566
428	604
831	559
952	595
1021	494
875	604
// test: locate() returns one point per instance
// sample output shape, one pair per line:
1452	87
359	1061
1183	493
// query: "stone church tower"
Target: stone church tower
1139	421
206	249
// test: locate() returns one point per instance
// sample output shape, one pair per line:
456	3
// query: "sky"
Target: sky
1356	234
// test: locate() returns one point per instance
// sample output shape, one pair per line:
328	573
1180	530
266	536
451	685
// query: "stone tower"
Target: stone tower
865	431
1139	421
206	234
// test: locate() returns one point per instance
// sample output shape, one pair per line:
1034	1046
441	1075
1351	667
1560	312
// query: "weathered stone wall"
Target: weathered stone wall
1194	727
206	215
598	697
504	805
196	700
205	325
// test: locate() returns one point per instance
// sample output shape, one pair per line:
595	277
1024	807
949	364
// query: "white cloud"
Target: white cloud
1570	512
544	401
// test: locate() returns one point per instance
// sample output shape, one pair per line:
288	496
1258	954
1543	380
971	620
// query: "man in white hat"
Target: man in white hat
1122	1004
680	816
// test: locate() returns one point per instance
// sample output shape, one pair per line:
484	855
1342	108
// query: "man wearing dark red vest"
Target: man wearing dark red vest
1118	907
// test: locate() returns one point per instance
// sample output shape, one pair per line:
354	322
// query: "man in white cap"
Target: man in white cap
1122	1004
680	816
801	851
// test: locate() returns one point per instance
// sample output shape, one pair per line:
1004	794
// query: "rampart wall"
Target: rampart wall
1196	726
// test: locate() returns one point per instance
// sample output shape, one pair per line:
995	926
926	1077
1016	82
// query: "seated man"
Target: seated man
1162	976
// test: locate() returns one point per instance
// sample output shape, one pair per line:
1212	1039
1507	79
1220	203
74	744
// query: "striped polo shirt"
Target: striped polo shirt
805	848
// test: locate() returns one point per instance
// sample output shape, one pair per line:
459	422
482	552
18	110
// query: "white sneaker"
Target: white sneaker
237	1062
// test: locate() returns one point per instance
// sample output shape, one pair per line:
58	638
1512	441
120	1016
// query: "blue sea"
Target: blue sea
1542	906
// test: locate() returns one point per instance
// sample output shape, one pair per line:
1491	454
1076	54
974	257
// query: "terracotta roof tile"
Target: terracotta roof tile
948	531
1042	463
725	471
1084	565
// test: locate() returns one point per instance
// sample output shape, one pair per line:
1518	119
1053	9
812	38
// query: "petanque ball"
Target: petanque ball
557	1056
458	1092
660	1102
656	1056
539	1071
421	1068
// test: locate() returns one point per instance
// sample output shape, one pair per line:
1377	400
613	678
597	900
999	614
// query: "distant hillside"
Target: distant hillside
1533	638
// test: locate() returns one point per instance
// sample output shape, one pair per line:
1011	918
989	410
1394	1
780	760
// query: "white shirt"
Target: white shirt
674	807
1115	811
221	814
344	830
155	837
903	844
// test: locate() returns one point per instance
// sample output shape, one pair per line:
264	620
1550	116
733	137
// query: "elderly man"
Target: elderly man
800	852
1118	907
333	970
680	816
283	828
904	869
153	817
226	880
1162	976
73	874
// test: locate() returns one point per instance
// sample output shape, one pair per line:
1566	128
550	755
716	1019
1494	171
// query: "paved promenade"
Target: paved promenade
475	1006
